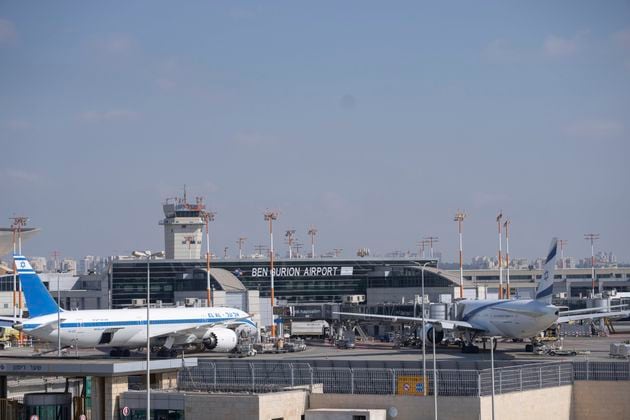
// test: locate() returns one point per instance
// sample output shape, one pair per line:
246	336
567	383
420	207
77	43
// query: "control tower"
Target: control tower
183	224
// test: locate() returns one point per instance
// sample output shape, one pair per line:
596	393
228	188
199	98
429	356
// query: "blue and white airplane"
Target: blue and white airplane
215	329
516	319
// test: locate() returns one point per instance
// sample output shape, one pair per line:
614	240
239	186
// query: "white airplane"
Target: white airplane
516	319
215	329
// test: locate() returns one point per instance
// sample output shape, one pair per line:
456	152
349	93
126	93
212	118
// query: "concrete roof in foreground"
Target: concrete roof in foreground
36	366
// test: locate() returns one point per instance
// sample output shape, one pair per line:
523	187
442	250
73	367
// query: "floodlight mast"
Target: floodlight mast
312	232
270	216
507	254
290	234
459	218
499	217
562	243
240	243
431	240
592	237
208	216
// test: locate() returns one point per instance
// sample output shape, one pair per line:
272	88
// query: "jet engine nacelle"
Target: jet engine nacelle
428	333
220	340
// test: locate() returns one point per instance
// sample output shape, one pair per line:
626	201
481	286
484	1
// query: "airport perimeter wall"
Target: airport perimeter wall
550	403
601	400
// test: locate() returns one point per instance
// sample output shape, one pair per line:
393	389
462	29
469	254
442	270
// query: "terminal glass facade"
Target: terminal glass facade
295	281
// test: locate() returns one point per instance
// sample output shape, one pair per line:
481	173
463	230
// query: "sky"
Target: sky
374	122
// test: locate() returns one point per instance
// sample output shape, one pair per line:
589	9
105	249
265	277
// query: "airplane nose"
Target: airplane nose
17	326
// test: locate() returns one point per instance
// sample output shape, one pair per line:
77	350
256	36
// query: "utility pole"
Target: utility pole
270	216
240	243
459	218
507	253
312	232
208	217
592	237
500	261
432	240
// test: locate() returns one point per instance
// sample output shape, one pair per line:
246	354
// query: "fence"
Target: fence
253	377
587	370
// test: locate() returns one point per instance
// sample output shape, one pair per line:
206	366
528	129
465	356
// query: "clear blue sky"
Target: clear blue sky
373	121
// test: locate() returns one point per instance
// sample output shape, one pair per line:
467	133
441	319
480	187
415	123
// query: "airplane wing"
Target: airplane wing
447	324
589	310
615	314
229	323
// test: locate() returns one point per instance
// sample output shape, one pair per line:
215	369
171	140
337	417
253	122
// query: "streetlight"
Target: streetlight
270	216
459	218
148	255
492	370
435	378
424	338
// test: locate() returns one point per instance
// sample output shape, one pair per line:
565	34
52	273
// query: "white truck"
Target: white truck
313	329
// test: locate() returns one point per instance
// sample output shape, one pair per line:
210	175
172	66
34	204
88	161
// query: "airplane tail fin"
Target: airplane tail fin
545	286
38	299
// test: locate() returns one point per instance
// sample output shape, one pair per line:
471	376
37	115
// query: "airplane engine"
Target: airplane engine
428	333
220	340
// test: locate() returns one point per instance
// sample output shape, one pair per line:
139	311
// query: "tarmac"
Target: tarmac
593	348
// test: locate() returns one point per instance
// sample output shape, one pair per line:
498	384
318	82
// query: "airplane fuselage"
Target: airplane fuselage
127	328
508	318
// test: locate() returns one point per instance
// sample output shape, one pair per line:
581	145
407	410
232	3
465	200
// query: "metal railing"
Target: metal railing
601	370
252	377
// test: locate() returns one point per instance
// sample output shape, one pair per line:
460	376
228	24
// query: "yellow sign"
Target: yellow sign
411	385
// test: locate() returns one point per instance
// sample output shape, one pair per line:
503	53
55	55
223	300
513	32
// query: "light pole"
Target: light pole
270	216
209	217
148	256
424	338
592	237
435	378
431	240
289	235
562	243
507	253
58	317
500	261
492	371
240	243
459	218
312	232
148	336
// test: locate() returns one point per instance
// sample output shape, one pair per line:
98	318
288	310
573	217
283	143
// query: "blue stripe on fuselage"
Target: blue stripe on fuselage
475	311
110	324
